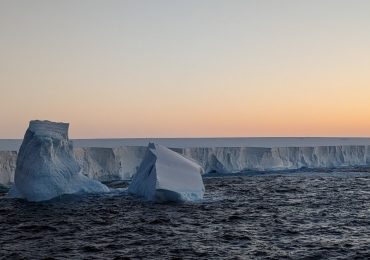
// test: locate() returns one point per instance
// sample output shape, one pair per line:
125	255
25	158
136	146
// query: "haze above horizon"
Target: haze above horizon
165	68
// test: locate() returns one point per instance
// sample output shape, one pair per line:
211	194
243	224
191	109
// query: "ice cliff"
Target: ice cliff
227	159
7	167
46	166
107	164
238	159
165	175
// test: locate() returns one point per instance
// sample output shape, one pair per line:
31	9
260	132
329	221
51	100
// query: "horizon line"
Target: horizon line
203	137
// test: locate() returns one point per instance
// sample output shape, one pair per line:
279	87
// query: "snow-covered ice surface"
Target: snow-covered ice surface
46	167
165	175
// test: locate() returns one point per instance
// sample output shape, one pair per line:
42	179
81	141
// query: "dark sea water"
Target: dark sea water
284	216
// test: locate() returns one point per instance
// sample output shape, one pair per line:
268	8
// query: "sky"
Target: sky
186	68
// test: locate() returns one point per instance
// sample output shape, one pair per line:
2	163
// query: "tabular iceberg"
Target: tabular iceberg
165	175
46	166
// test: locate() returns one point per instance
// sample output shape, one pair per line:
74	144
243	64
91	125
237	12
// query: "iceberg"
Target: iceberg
165	175
46	167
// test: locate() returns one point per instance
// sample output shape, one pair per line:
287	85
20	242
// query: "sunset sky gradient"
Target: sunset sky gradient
191	68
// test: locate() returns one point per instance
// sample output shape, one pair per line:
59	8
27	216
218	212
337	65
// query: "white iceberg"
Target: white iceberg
46	167
165	175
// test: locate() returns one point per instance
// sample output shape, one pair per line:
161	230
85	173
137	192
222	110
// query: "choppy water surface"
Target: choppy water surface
291	216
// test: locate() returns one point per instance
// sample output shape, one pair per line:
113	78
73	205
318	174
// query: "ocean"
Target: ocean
311	215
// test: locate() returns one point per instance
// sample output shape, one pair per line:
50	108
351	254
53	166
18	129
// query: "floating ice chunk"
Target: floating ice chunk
165	175
46	167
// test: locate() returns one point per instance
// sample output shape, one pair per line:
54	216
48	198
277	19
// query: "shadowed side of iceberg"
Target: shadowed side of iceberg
46	167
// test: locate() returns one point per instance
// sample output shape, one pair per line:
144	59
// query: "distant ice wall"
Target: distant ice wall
107	164
7	167
237	159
